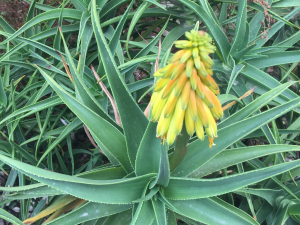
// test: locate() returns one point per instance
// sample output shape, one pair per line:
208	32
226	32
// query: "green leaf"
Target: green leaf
79	5
160	212
281	215
53	14
36	107
22	188
240	30
142	8
255	105
34	193
286	3
171	218
83	94
275	59
140	84
115	40
30	15
155	3
199	152
148	155
234	156
83	22
181	146
228	98
89	211
163	175
100	129
109	6
120	218
69	128
133	119
265	80
268	194
144	214
7	28
188	188
3	98
10	218
235	72
212	211
275	27
294	209
118	191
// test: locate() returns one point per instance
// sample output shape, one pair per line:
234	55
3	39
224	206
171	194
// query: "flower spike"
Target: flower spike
185	94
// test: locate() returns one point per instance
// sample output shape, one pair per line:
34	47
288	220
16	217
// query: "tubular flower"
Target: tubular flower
186	92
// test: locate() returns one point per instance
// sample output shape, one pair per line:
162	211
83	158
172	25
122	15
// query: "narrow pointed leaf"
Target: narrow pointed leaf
118	191
133	120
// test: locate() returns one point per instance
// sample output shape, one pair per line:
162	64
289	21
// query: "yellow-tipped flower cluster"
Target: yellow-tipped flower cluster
186	92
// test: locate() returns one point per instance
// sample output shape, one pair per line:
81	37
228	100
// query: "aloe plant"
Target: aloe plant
77	136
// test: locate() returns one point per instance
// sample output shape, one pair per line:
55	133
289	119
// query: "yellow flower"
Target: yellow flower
186	92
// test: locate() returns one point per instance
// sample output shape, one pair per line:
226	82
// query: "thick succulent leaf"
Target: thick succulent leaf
79	5
294	209
149	154
235	71
83	93
268	194
228	98
34	193
7	28
144	214
140	84
89	211
30	109
85	41
160	212
150	12
189	188
171	218
118	191
121	218
22	188
237	155
115	37
275	59
101	130
109	6
276	27
240	30
133	120
281	215
286	3
39	37
29	33
69	128
106	173
199	152
3	98
53	14
255	105
212	211
163	175
264	80
139	12
10	218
